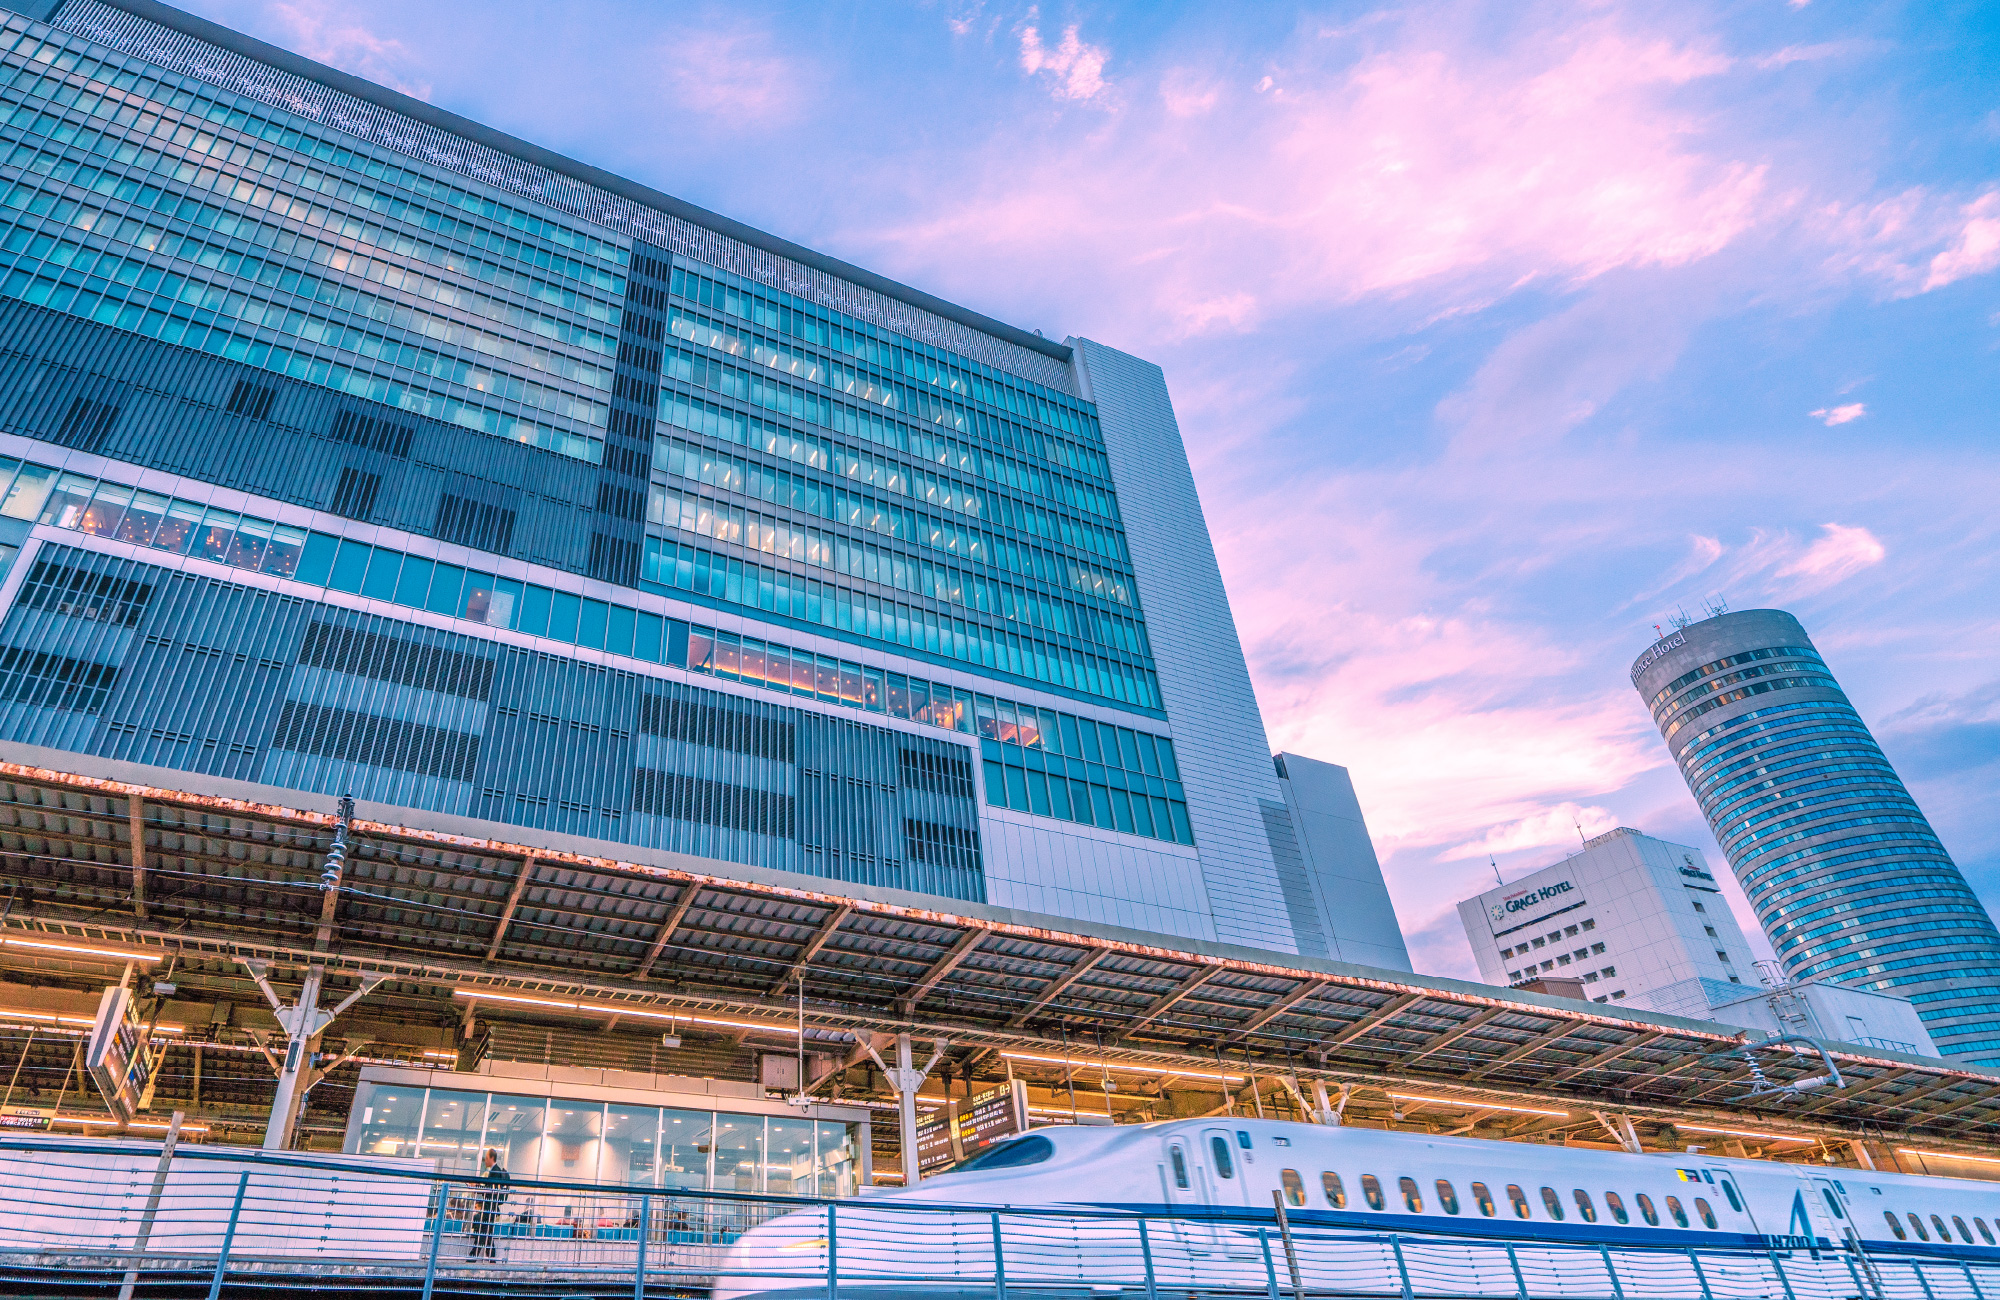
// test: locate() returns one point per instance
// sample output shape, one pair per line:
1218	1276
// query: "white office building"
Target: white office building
1639	920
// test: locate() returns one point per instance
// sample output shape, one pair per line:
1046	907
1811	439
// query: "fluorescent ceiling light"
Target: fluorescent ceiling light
1124	1066
1737	1132
85	950
1466	1103
1947	1155
605	1009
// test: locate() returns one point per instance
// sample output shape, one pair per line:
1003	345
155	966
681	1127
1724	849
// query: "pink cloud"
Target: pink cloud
1839	553
1835	415
733	74
322	30
1976	250
1566	825
1075	70
1444	157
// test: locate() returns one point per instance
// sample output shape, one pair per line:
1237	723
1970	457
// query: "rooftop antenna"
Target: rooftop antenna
1680	618
1578	823
1715	606
1495	862
1659	632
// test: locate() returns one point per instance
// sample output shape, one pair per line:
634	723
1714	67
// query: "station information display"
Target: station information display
120	1059
963	1127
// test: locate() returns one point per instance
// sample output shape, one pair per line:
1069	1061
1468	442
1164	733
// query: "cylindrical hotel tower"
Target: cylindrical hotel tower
1847	877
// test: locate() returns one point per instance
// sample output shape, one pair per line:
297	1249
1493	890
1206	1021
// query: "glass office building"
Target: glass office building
350	446
1847	877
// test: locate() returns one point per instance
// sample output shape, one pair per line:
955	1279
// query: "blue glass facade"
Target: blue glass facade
1847	876
342	454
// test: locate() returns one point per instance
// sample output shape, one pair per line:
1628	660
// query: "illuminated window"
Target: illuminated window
1552	1203
1646	1210
1519	1200
1336	1195
1295	1187
1679	1215
1447	1197
1701	1207
1617	1207
1371	1191
1411	1196
1482	1196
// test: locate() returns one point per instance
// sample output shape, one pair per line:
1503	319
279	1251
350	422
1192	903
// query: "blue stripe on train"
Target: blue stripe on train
1570	1234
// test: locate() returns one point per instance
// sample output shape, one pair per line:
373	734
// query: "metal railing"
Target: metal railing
230	1221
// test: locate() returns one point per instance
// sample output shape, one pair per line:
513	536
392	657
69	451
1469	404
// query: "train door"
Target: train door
1227	1187
1732	1209
1189	1191
1819	1209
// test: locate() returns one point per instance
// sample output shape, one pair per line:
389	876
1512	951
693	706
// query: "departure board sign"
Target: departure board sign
120	1059
992	1116
937	1138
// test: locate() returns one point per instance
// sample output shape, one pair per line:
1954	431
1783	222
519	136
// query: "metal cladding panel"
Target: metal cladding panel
1218	732
172	413
1346	878
127	660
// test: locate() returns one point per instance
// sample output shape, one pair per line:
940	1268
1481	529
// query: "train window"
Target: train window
1701	1207
1243	1138
1646	1210
1833	1203
1180	1167
1482	1196
1616	1205
1519	1198
1679	1216
1584	1207
1964	1234
1336	1195
1411	1196
1447	1197
1371	1191
1984	1231
1552	1203
1729	1190
1944	1233
1917	1225
1218	1146
1030	1150
1895	1225
1295	1186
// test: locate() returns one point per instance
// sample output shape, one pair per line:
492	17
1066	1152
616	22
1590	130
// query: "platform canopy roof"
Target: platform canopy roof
454	911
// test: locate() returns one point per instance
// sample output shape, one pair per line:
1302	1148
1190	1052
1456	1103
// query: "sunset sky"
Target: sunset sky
1498	332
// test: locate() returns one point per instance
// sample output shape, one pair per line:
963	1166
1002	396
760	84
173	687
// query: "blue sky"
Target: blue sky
1498	332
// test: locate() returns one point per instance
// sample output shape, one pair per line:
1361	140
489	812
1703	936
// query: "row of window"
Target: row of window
1048	785
129	294
120	184
1723	665
1937	1221
728	580
726	425
376	253
1769	763
82	504
816	325
67	77
1411	1195
1951	882
1554	936
1742	693
733	525
1746	733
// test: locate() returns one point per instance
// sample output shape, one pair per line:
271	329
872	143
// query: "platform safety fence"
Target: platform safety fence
89	1215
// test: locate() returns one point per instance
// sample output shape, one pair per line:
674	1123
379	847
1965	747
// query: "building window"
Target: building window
1608	971
1590	925
1597	947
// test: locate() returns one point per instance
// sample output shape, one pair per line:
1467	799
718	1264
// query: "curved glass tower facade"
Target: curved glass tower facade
1847	876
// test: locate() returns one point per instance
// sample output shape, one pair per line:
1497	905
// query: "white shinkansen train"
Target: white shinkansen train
1363	1205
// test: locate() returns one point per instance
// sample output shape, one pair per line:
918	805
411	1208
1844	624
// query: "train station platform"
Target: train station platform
545	965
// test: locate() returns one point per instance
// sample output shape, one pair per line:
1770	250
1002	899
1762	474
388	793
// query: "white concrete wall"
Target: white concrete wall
1654	905
1837	1012
1218	733
1355	910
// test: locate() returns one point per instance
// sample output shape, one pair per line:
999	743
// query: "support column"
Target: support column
135	823
1322	1108
906	1108
290	1098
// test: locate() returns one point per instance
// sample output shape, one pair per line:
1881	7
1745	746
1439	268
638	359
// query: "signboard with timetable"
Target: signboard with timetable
963	1127
120	1059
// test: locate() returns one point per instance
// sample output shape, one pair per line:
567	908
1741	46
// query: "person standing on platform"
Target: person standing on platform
491	1199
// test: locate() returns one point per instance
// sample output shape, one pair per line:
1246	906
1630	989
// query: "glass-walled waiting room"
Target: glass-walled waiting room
694	1145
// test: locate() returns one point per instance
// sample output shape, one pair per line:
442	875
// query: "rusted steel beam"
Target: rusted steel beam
513	901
